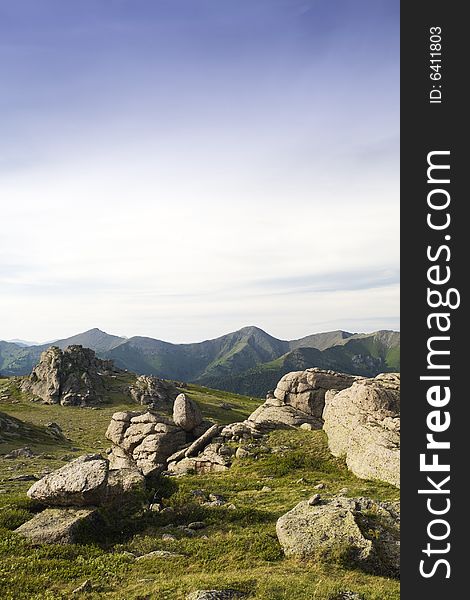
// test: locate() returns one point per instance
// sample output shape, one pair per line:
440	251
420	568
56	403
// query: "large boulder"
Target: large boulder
186	413
148	389
364	531
305	390
363	424
60	526
145	440
82	482
73	376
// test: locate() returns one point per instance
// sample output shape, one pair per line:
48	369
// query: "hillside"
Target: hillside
247	361
237	547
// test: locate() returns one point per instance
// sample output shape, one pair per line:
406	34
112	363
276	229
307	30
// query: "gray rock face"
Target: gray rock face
186	413
368	530
59	525
144	440
69	377
363	424
148	389
79	483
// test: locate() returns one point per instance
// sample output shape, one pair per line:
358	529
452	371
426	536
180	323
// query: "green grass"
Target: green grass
237	549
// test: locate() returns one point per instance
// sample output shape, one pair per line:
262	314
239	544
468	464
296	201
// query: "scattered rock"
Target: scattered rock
20	453
216	595
315	499
60	525
85	587
186	413
319	486
23	478
197	525
266	488
243	453
363	423
168	537
307	426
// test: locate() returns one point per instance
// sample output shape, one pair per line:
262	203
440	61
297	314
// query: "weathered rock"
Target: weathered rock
208	461
20	453
186	413
270	416
125	490
79	483
216	595
60	525
363	424
73	376
148	389
145	440
202	441
305	390
367	530
86	586
297	401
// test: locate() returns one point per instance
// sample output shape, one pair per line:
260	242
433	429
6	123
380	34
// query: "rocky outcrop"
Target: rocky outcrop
60	525
148	389
73	376
299	398
186	413
363	424
368	532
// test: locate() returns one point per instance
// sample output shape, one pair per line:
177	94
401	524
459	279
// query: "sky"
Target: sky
183	168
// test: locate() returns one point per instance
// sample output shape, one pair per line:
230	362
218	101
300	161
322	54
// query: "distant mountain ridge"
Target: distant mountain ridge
248	361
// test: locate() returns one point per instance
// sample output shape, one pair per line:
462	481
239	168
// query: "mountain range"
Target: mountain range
248	361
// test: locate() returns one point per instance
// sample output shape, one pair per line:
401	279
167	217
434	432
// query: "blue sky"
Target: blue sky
182	168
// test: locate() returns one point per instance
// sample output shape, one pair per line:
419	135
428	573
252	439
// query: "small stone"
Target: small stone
242	453
266	488
314	500
301	480
197	525
307	426
216	498
319	486
343	491
84	587
167	537
155	507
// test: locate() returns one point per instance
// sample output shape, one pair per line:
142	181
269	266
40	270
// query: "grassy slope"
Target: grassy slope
241	549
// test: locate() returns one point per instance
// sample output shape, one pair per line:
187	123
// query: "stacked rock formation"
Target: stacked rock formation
298	398
73	376
149	441
73	495
148	389
363	424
